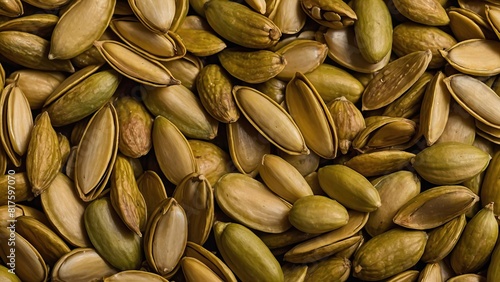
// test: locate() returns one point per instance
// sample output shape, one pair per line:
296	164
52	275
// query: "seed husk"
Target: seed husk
196	251
288	16
84	98
332	82
409	104
405	276
135	275
100	138
135	127
380	162
395	134
476	6
185	69
332	14
246	254
30	51
474	57
183	108
488	192
459	126
43	159
422	211
324	251
66	216
465	259
442	240
201	42
152	189
30	265
194	270
435	109
394	79
172	147
349	188
126	198
111	238
16	122
493	16
398	138
386	132
254	66
195	195
167	230
395	245
281	131
468	278
450	163
5	274
428	12
48	5
373	46
263	211
20	210
317	214
466	24
348	121
319	247
431	272
74	266
12	8
409	37
246	146
157	16
69	82
348	252
331	268
312	116
344	50
50	246
84	22
492	131
22	187
135	66
283	179
475	97
392	198
301	55
211	160
294	272
240	25
36	85
161	47
494	269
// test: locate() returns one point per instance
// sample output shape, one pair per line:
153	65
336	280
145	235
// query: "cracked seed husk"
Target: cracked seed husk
43	159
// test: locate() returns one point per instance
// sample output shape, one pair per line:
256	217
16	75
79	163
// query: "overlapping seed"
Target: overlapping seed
138	143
